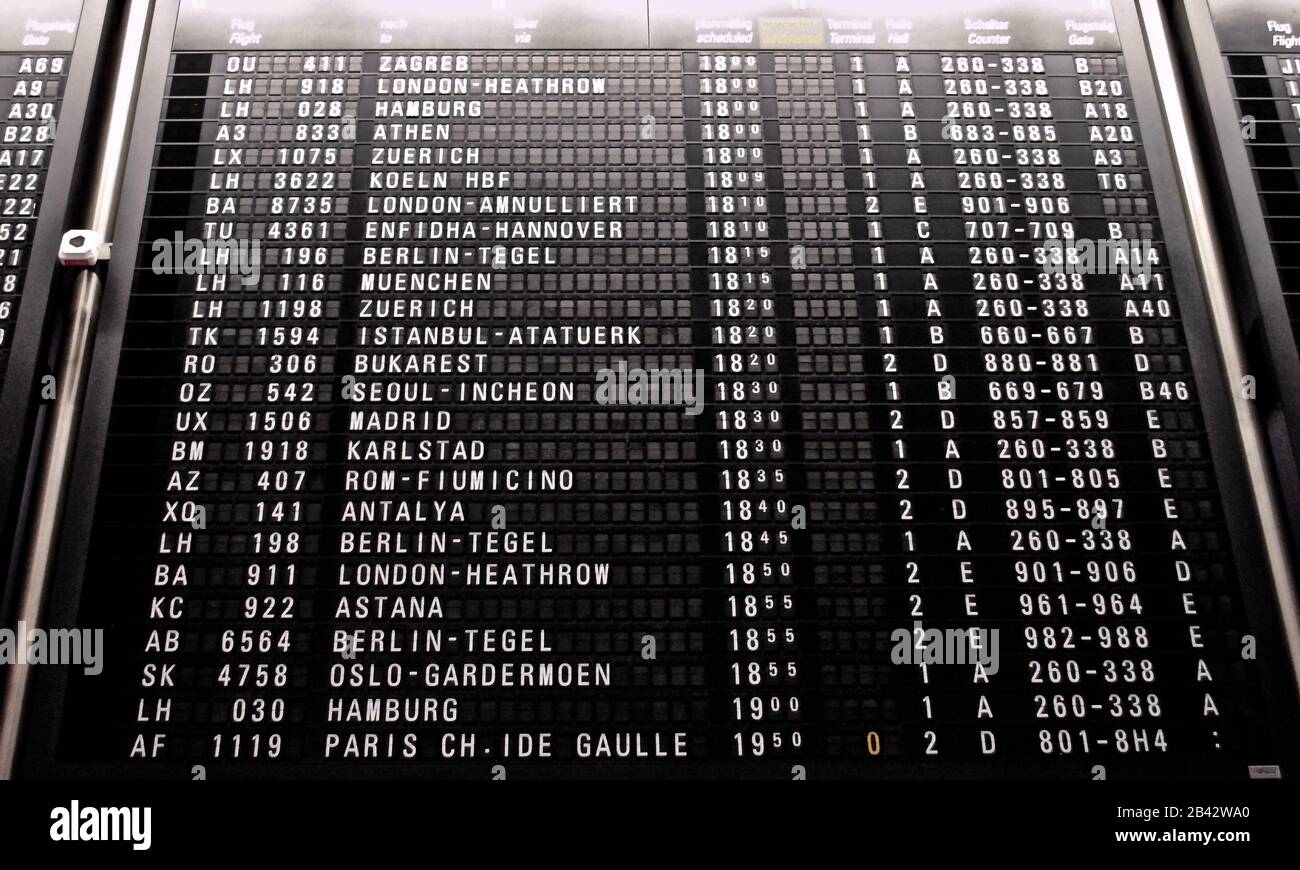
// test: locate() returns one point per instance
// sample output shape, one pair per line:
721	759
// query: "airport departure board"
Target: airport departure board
599	389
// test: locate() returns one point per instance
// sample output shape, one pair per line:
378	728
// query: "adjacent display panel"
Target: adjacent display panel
621	390
1242	58
47	52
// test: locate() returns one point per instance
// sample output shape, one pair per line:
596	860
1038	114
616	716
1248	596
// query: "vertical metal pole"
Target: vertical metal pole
51	484
1223	323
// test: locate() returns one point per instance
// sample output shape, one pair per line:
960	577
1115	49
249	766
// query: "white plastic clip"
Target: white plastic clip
80	248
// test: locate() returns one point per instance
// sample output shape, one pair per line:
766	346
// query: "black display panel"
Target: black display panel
47	51
1240	59
1261	44
632	391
